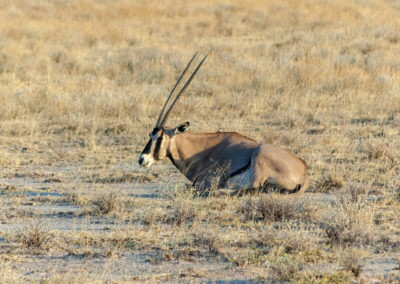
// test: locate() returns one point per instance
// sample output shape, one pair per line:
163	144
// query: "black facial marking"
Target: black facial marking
155	130
147	149
158	144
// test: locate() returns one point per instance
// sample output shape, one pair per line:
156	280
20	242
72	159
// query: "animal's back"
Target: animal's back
235	149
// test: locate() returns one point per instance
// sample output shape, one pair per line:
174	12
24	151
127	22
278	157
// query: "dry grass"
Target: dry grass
286	268
81	86
271	208
106	203
350	223
276	208
34	236
352	260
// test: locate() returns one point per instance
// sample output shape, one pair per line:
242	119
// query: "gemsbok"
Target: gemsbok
222	159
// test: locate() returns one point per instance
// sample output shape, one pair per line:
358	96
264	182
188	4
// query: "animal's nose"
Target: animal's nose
140	160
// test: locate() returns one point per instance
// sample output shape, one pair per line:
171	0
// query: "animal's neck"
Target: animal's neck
185	146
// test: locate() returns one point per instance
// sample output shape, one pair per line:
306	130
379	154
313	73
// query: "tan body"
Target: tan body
209	159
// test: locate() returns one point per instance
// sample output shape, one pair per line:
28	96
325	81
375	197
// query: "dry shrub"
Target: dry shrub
357	192
34	236
248	208
276	208
183	212
349	223
100	203
353	261
238	259
105	203
183	205
286	268
329	182
155	215
294	241
212	242
208	238
382	154
379	151
77	199
7	188
269	207
323	277
127	178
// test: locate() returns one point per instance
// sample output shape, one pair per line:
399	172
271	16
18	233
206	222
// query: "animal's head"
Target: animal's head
158	145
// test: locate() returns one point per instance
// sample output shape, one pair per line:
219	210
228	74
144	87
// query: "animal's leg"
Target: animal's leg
261	171
303	187
201	185
254	177
241	181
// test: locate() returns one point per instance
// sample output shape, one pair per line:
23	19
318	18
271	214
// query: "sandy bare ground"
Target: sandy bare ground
41	200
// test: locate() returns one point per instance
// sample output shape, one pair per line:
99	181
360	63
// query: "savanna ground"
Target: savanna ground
81	85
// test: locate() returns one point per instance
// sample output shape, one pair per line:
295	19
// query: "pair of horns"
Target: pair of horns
162	119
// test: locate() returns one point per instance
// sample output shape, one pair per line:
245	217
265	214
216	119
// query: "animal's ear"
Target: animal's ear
181	128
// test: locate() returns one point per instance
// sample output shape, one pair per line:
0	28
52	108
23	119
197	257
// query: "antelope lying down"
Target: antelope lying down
222	159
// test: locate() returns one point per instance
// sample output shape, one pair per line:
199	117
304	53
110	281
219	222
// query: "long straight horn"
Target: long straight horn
173	89
182	90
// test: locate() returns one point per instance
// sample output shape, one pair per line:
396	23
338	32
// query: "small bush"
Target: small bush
153	216
183	213
349	223
106	203
353	261
328	183
286	268
209	239
276	208
249	209
183	205
34	236
293	242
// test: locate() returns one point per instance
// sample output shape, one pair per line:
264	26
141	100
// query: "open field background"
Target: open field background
81	83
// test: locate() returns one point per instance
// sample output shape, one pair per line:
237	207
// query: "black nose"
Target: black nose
141	160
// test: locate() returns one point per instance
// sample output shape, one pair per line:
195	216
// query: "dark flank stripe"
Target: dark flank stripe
239	171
